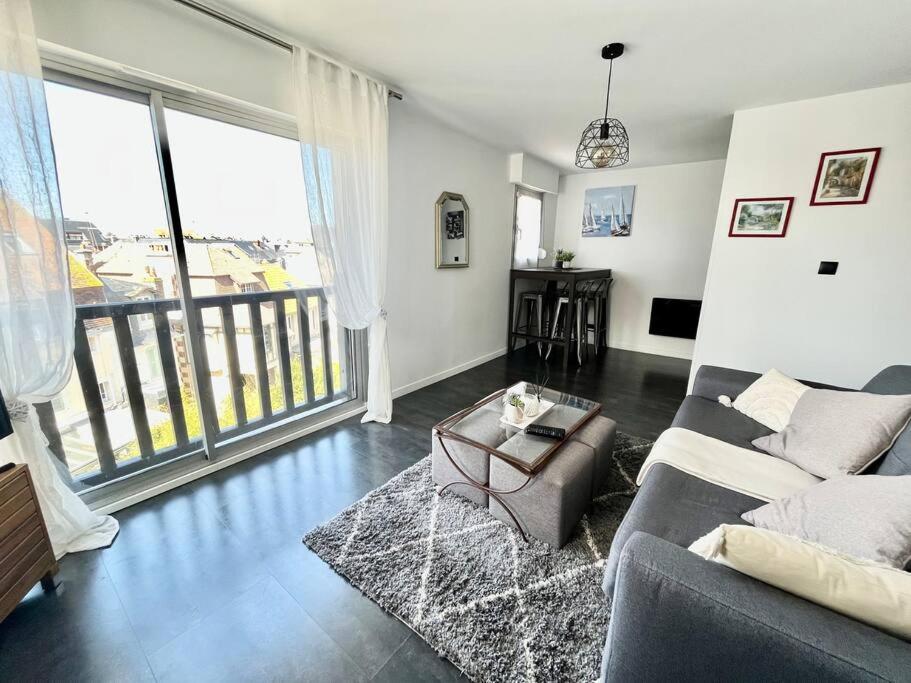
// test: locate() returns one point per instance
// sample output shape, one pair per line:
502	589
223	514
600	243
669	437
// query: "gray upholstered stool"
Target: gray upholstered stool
599	434
483	425
553	502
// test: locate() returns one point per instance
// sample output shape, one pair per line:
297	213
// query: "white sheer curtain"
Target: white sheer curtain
343	124
36	306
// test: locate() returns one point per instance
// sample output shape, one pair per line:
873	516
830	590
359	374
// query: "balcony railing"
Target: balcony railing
277	325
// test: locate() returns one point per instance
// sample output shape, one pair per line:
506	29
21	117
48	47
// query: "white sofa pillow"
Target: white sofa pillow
867	591
770	400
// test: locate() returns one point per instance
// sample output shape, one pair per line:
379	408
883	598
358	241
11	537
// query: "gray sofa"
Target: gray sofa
675	616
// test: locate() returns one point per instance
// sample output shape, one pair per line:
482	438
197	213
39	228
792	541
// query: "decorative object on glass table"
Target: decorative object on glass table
533	395
514	412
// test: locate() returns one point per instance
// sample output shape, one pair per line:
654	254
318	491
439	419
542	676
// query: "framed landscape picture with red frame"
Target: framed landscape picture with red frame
844	177
761	217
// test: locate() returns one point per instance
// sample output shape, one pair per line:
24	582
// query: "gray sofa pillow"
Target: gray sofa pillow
867	517
838	432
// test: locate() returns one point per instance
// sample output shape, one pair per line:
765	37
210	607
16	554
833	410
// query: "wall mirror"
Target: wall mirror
451	231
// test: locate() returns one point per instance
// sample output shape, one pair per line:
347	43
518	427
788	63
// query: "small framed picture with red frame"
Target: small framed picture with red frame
761	217
845	177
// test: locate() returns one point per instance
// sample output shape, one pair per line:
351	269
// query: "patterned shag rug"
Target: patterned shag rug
498	608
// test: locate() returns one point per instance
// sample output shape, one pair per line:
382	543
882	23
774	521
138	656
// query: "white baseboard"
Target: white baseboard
427	381
648	348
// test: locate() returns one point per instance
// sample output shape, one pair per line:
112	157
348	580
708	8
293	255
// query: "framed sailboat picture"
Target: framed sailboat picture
608	211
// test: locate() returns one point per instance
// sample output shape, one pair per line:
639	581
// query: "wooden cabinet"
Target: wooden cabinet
26	556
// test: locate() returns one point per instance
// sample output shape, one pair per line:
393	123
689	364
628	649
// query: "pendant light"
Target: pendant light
604	141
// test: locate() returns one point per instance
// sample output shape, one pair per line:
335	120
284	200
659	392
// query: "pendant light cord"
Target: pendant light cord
609	74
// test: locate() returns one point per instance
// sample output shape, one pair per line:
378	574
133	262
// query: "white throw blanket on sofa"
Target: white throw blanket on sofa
738	469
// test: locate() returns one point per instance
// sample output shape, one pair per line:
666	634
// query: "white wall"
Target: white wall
444	319
531	172
440	321
170	40
666	254
765	306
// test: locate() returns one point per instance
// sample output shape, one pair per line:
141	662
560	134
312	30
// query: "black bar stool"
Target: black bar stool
597	300
559	319
532	304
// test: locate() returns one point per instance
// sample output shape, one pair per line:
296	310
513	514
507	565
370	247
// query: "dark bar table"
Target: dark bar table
572	277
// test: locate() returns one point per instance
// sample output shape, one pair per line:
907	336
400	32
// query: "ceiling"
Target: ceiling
526	75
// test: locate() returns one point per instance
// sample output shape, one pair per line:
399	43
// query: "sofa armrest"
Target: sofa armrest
676	616
713	381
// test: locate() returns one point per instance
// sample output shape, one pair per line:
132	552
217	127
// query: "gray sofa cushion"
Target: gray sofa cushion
712	419
839	432
867	517
893	380
678	508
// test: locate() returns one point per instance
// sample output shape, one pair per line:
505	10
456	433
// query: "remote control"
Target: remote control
545	431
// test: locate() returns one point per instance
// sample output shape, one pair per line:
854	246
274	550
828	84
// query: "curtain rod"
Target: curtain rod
253	31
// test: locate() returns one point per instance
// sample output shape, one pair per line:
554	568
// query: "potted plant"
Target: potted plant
515	408
563	258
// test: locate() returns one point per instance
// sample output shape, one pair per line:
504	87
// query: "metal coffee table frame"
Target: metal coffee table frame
444	431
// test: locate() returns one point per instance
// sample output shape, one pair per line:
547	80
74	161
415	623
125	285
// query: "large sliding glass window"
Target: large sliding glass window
266	347
125	405
272	348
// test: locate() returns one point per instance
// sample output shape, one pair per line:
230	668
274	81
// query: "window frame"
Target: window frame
108	78
534	194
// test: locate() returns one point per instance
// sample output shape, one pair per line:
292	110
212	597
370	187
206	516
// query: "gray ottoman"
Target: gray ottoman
550	506
599	434
553	502
484	426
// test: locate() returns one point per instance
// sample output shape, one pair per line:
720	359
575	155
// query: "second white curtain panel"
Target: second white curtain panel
343	126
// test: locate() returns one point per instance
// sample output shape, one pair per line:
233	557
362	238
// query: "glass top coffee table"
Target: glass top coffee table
527	453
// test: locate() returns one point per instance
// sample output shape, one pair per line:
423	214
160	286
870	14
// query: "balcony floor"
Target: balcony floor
210	581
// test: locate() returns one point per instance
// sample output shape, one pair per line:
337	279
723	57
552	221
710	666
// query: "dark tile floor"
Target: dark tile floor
210	581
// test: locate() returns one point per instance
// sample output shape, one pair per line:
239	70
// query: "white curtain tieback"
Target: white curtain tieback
18	410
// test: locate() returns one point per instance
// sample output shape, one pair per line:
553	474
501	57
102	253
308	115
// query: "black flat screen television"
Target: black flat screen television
675	317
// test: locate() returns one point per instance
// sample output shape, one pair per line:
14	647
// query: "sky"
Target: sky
231	181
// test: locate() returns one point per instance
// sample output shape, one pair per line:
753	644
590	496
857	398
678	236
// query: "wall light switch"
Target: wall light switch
828	267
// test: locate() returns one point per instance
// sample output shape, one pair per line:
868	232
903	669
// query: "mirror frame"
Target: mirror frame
438	223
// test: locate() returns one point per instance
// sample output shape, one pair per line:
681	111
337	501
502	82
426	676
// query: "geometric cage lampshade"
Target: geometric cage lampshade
604	141
604	144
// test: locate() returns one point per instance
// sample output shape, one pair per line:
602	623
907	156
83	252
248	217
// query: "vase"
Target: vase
558	265
532	406
514	414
